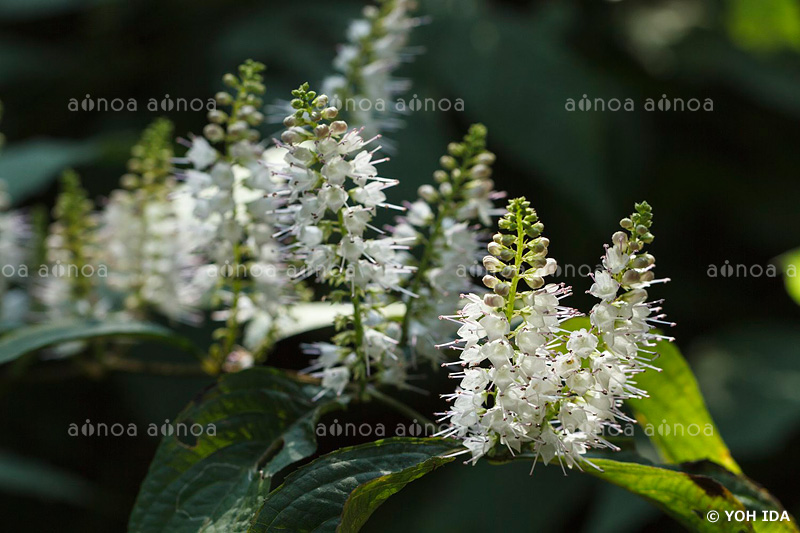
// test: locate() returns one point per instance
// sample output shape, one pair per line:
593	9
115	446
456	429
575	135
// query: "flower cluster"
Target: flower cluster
623	318
377	44
233	202
14	254
445	223
70	288
331	193
527	383
142	235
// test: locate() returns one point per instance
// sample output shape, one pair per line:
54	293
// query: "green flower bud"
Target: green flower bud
492	264
329	113
428	193
508	272
214	133
502	289
230	80
223	98
322	130
338	127
440	176
533	281
481	171
494	300
447	162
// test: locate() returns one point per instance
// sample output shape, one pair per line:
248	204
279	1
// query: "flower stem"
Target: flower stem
399	406
512	294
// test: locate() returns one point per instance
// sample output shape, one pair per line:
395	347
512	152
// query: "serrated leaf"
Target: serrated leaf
339	491
690	492
675	416
687	498
29	339
751	495
263	422
681	427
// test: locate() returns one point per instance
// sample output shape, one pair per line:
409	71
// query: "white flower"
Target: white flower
538	387
201	155
604	287
325	218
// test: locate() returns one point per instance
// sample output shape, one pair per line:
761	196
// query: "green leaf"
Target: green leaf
790	262
28	477
687	498
675	416
30	166
340	490
691	491
22	341
753	496
764	25
262	420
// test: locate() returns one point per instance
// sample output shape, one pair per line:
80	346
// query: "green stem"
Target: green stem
512	294
232	325
358	324
419	276
399	406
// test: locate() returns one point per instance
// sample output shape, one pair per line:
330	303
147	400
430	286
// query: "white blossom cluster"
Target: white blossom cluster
149	258
232	198
446	222
14	232
527	383
365	87
144	235
73	257
624	318
331	193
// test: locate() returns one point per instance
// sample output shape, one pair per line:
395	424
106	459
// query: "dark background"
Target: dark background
723	183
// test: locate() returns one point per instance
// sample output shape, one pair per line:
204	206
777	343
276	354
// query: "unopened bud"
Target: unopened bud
447	162
213	132
493	300
492	264
223	98
502	289
481	171
428	193
490	281
631	277
338	127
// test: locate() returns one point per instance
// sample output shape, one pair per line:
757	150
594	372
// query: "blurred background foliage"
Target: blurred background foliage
724	185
